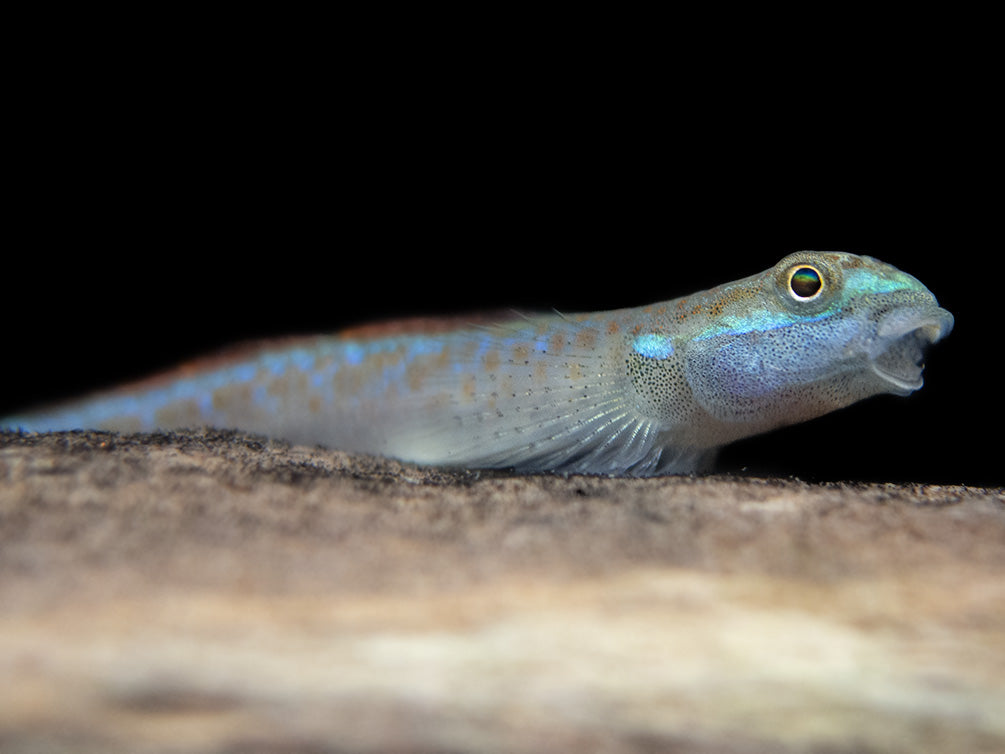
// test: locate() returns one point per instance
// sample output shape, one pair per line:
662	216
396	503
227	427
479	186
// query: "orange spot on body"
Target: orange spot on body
443	357
557	343
279	386
349	380
469	387
586	338
417	373
467	350
491	360
231	397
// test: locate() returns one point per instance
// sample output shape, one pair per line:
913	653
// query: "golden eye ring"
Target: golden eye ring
805	282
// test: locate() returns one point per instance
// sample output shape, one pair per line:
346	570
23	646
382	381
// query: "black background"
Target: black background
162	212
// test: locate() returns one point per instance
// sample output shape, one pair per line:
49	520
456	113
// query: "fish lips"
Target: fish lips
897	353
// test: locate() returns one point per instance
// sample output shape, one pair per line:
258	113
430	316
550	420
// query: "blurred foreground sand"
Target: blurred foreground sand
214	592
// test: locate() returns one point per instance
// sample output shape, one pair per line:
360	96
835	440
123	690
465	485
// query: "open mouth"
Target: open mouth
898	354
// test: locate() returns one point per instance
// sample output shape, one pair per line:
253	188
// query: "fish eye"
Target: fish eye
805	282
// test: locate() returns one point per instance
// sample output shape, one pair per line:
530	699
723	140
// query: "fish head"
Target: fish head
818	331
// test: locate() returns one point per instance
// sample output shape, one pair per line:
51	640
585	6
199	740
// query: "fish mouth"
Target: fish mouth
897	354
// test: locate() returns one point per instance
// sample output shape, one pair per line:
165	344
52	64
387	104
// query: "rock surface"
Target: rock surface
217	592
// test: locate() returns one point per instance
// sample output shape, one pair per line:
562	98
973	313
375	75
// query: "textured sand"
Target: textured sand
216	592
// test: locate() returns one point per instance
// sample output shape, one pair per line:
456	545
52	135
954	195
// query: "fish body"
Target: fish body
639	391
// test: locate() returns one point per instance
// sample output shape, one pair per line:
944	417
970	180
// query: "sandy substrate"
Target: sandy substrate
215	592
